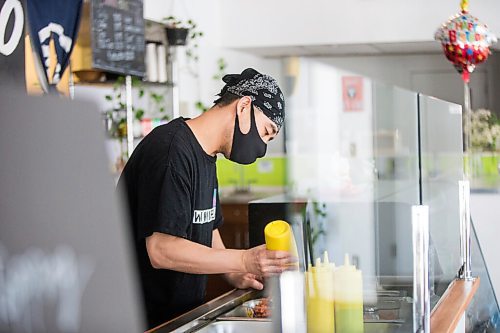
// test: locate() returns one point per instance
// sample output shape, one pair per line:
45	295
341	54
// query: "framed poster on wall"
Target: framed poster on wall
352	93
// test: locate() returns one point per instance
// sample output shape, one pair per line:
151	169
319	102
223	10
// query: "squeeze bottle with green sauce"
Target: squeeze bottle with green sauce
348	287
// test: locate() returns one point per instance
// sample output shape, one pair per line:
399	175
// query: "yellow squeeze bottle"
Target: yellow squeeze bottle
279	237
320	297
348	286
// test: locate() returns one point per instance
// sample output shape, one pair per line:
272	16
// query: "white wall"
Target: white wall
322	22
236	23
207	14
430	74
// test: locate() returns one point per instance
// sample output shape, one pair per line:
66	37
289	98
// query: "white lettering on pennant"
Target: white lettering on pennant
9	7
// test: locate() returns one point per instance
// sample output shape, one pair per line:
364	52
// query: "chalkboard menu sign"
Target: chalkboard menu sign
118	36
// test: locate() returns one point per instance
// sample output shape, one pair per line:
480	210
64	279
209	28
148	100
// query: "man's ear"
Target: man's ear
243	104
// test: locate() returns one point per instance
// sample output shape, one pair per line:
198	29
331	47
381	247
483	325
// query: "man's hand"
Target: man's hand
262	262
244	280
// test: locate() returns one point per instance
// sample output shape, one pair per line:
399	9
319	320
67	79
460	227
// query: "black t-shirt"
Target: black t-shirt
171	187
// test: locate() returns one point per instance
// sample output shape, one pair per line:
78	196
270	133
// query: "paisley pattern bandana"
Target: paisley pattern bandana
261	88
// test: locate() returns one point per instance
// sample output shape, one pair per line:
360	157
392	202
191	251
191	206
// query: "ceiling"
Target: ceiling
349	49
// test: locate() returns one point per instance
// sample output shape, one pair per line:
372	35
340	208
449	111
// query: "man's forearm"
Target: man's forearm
175	253
217	243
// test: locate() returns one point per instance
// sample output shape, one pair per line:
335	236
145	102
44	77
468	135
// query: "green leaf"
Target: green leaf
157	98
139	114
136	82
108	97
141	93
222	64
200	106
162	109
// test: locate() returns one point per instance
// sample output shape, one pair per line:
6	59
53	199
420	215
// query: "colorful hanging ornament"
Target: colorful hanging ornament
466	41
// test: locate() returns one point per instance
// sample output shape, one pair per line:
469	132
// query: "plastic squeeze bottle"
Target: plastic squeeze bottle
320	297
279	237
348	287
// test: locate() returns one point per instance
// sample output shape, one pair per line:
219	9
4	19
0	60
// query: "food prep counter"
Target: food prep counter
221	311
391	313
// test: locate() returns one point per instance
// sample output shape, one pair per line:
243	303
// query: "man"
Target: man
172	190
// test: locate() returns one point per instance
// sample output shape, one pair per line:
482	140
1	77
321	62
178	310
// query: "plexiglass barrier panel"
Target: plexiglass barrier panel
483	314
396	186
360	154
395	143
352	161
441	170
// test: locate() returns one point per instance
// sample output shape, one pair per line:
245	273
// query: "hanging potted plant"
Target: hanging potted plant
183	33
178	31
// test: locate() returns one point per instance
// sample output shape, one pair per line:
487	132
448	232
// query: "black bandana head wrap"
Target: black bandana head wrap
261	88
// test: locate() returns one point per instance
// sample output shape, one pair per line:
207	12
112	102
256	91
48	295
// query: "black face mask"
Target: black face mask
248	147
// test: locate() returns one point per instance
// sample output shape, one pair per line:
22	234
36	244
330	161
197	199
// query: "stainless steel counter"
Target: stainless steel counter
392	313
199	318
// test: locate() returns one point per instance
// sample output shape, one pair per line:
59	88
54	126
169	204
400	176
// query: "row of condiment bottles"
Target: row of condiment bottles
334	295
